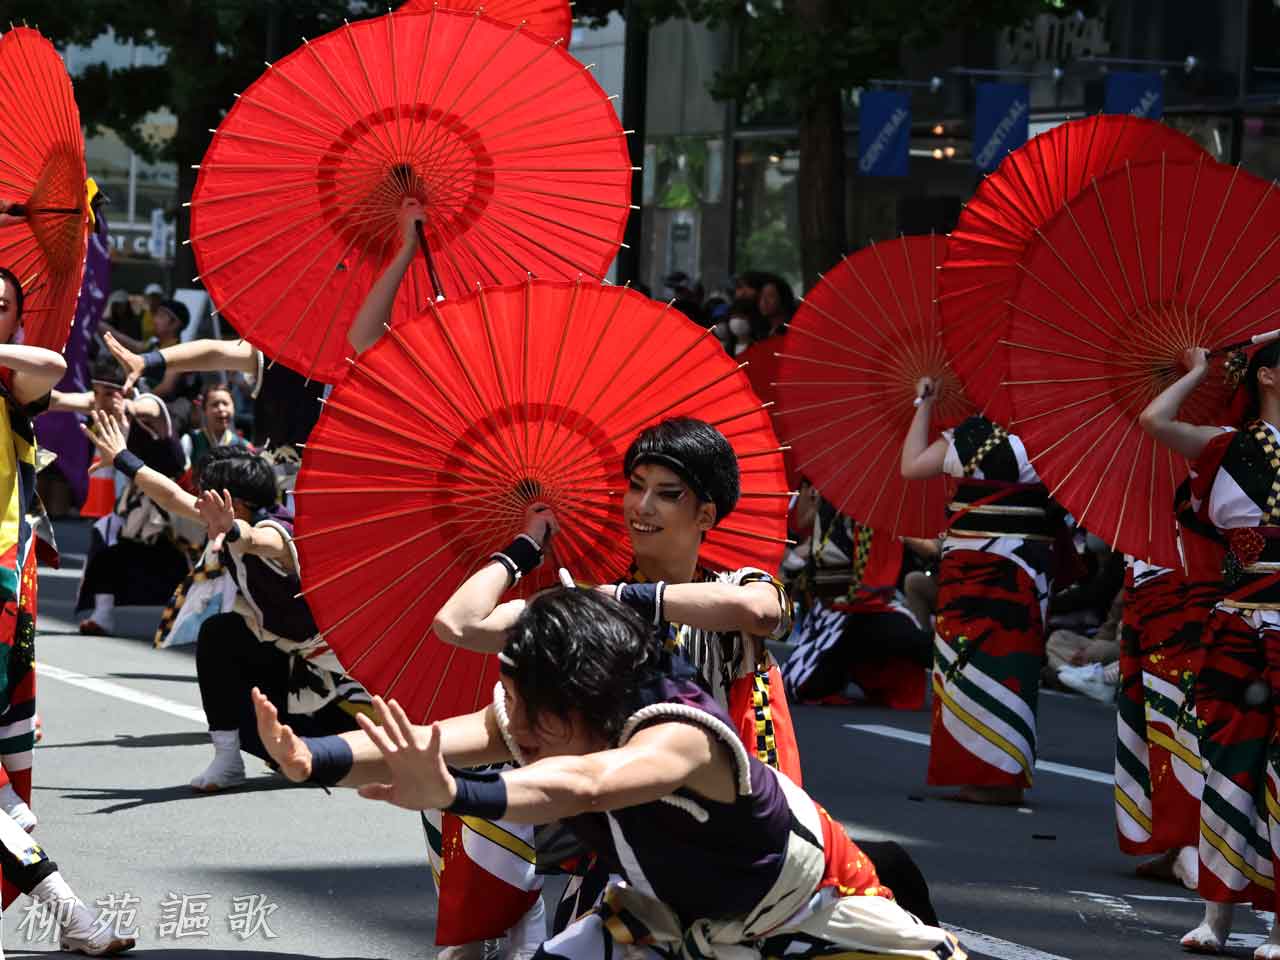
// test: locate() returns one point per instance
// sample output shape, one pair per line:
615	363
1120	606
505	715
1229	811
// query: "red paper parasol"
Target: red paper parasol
552	19
514	150
42	170
1142	265
861	340
1024	193
430	450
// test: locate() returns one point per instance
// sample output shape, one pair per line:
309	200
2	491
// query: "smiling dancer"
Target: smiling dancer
1236	485
711	850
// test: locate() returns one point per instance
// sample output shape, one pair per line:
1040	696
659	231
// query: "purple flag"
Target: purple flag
60	432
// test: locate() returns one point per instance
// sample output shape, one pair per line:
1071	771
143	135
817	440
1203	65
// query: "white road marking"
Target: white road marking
1113	905
995	947
922	739
120	692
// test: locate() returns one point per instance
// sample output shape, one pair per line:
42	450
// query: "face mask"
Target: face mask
721	330
739	326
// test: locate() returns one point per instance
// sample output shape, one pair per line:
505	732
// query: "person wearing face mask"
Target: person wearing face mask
710	852
741	327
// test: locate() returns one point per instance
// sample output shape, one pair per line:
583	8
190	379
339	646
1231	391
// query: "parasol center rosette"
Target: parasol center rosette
539	475
1146	346
59	188
446	167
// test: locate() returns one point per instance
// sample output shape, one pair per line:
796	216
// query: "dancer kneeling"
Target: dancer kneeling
708	846
268	639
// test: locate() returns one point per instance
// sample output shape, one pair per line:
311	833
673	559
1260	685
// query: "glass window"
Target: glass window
767	230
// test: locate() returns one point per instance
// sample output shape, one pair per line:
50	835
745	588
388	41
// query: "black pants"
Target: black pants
231	661
134	573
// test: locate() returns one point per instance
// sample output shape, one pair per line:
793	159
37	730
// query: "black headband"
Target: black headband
677	467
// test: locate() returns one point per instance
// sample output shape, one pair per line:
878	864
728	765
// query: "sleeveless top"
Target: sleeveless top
702	858
1000	493
269	601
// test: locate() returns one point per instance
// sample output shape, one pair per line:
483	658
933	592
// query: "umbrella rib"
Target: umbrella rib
1239	237
1137	236
1213	232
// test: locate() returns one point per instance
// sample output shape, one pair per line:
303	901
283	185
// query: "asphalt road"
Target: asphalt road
347	878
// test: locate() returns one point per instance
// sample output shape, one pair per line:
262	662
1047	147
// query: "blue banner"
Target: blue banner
1000	122
884	134
1140	94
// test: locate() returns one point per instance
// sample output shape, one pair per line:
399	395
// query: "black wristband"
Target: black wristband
331	759
479	795
153	365
128	463
521	557
644	598
233	534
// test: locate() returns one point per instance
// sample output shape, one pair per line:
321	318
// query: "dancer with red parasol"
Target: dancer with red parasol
993	591
1237	474
1109	304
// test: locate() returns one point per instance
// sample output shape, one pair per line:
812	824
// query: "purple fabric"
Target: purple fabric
60	432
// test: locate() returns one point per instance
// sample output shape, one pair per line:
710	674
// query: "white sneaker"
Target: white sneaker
1089	680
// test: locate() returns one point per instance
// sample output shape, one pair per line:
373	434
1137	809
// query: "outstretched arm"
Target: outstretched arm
468	741
374	314
35	370
1159	419
921	459
107	435
755	609
195	356
473	618
653	764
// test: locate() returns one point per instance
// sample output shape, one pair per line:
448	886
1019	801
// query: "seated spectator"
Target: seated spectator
920	586
1088	665
121	319
777	303
269	640
856	635
132	557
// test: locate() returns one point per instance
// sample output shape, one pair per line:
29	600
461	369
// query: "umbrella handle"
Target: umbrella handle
1251	342
22	210
436	288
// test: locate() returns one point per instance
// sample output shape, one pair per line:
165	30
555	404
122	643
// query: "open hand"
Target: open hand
217	511
284	746
419	778
131	361
107	434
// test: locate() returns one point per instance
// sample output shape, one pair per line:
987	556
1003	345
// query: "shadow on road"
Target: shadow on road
194	739
131	798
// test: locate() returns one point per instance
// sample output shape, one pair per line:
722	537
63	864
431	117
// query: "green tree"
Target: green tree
214	50
804	55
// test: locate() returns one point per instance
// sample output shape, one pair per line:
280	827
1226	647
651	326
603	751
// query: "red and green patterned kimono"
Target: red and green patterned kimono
993	587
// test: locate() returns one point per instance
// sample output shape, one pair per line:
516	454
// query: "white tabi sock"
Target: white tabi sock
18	811
104	606
227	767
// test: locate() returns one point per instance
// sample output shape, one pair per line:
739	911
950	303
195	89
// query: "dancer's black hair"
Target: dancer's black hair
242	473
577	650
12	280
698	453
1265	356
